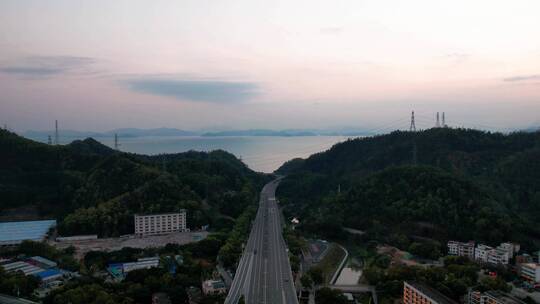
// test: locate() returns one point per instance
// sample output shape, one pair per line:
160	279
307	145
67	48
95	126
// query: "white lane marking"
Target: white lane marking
265	279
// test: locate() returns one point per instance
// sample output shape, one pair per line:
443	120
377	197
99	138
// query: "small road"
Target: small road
264	273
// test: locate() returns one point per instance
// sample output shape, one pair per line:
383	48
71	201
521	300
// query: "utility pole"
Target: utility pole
56	137
413	125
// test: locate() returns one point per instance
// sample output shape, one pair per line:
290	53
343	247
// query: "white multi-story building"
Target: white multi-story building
151	224
461	249
510	248
498	256
481	252
530	271
490	255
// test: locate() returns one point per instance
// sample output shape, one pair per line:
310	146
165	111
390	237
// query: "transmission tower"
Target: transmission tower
56	137
438	123
116	144
49	140
413	125
443	121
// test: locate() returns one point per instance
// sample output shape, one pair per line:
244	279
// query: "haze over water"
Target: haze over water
260	153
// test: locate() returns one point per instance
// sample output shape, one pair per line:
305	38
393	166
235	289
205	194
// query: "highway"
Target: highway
264	273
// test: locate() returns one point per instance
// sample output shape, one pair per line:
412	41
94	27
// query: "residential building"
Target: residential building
417	293
530	272
487	254
481	252
491	297
152	224
213	287
14	233
461	249
523	258
498	256
510	248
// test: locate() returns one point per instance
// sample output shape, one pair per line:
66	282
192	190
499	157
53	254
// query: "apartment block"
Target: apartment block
487	254
461	249
152	224
509	248
417	293
481	252
530	272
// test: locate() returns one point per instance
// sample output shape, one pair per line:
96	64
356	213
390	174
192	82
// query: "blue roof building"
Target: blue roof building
49	275
14	233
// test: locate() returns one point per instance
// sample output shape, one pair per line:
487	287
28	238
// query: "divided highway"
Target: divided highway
264	273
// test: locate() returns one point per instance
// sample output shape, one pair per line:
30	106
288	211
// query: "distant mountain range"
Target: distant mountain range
124	132
136	132
263	132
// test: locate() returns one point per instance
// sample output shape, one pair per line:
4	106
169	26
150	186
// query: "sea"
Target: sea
260	153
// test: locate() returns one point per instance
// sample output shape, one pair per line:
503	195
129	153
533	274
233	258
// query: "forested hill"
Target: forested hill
91	188
461	183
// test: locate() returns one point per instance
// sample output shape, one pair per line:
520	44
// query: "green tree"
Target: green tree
326	295
316	275
88	294
306	280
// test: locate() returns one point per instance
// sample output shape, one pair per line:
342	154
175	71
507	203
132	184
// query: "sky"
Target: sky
215	65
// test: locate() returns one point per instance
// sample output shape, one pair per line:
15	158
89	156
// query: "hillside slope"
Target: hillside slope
458	183
94	189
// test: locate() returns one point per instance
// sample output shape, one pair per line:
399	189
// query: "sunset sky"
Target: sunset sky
98	65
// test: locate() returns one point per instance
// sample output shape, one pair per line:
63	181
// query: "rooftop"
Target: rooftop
531	265
44	261
48	273
164	213
12	232
432	293
504	297
215	284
